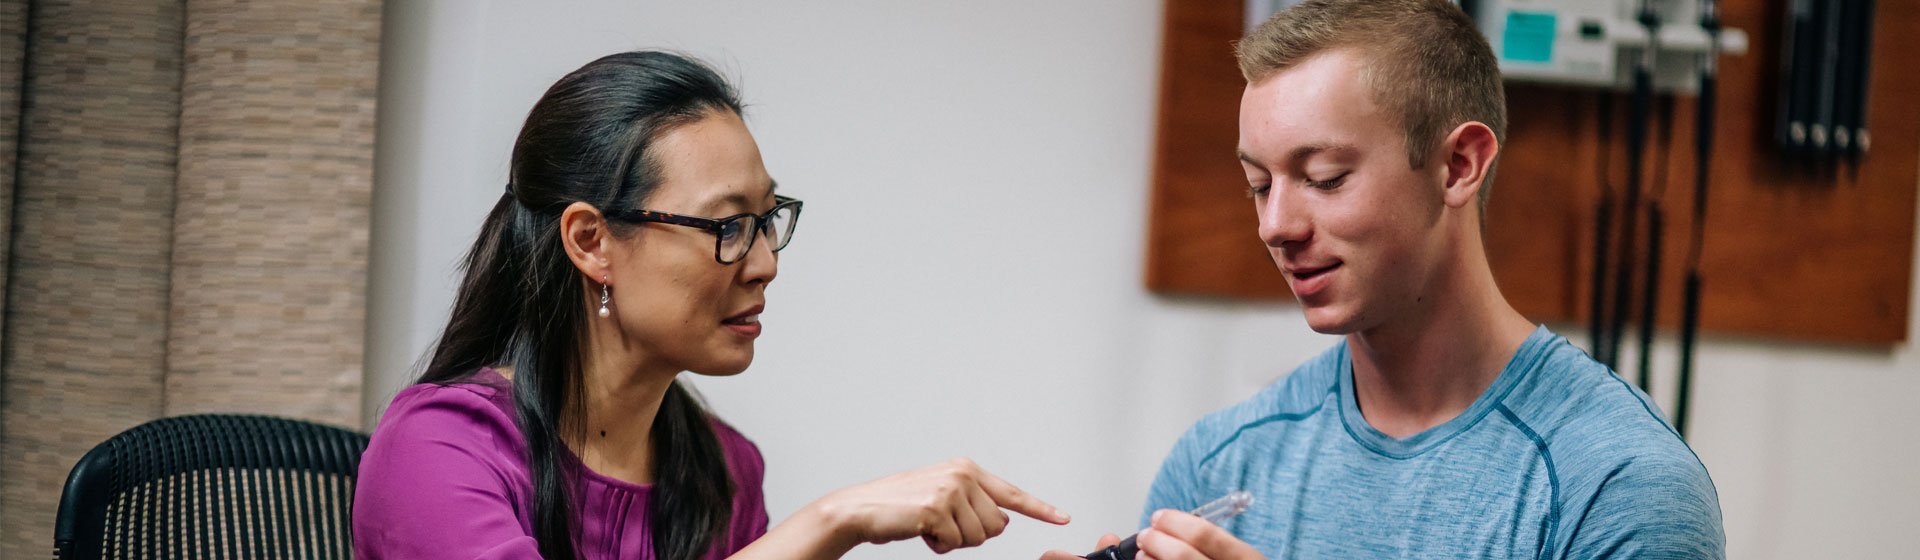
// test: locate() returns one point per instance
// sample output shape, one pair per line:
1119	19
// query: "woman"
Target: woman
549	424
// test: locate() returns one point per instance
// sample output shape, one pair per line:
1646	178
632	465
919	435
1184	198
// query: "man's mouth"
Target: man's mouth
1309	273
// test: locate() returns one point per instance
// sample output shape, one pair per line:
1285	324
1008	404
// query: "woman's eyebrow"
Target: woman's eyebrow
737	199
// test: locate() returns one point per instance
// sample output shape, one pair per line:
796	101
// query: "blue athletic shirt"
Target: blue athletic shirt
1558	458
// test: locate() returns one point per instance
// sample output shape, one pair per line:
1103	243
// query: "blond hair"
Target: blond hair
1425	62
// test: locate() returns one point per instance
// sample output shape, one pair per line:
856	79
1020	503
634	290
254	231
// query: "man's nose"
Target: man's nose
1283	219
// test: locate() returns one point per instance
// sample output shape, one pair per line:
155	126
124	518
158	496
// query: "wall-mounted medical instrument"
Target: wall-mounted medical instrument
1601	43
1826	49
1652	49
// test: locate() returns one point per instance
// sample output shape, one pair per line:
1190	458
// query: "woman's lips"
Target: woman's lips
747	329
746	323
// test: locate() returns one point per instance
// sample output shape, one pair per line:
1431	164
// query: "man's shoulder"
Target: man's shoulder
1248	431
1308	390
1581	409
1608	443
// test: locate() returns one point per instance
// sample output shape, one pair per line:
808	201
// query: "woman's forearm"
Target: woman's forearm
808	534
950	505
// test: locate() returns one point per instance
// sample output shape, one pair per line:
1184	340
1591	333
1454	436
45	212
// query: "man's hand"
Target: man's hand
1106	540
1178	535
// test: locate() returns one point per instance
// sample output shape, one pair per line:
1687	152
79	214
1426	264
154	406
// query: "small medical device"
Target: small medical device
1214	512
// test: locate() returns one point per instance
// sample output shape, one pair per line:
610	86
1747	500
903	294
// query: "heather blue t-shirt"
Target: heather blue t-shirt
1558	458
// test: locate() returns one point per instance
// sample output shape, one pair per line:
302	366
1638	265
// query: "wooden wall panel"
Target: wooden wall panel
1201	240
1790	252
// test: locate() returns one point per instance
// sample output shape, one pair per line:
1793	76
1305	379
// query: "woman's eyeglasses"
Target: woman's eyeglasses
735	233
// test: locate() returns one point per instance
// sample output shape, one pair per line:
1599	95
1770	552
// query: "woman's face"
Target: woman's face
672	302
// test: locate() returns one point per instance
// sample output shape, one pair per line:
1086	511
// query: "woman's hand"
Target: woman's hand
951	505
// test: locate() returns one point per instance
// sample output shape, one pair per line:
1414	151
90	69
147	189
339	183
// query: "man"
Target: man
1445	424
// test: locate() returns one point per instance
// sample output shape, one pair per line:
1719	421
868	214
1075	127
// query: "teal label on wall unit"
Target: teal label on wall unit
1529	37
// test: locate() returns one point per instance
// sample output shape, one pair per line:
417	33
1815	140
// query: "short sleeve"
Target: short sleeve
439	481
1661	507
1175	486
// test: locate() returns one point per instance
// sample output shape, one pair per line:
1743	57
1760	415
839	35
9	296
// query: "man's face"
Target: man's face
1348	221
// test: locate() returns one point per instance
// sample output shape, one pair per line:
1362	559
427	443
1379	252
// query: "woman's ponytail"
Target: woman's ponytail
691	476
485	309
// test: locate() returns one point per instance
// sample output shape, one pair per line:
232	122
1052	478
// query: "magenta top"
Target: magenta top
446	477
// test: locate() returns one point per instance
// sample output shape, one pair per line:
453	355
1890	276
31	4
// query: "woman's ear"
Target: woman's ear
583	231
1469	153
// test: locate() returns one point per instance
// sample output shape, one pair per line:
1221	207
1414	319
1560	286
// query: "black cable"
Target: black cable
1602	233
1656	222
1637	115
1702	152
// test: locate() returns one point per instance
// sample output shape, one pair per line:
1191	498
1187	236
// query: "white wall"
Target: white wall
966	280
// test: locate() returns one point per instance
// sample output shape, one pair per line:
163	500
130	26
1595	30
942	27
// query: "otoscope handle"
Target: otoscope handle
1123	551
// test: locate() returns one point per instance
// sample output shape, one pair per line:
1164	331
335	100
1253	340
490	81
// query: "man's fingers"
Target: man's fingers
1156	544
1008	496
1107	540
1059	555
1192	533
1182	525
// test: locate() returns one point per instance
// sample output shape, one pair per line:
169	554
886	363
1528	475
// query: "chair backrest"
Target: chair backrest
213	486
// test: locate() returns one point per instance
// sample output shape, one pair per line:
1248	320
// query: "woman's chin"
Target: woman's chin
722	366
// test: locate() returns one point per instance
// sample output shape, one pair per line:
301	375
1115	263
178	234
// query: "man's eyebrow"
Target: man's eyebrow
1305	151
1301	152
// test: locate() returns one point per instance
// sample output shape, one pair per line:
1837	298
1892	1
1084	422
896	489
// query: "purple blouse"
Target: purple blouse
446	477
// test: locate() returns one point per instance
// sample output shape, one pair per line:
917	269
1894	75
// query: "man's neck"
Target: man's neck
1428	366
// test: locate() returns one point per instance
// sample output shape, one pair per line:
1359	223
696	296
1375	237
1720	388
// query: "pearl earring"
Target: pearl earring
603	297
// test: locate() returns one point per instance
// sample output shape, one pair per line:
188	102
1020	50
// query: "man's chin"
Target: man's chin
1325	320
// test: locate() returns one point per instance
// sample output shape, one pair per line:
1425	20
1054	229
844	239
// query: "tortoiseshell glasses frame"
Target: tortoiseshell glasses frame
729	246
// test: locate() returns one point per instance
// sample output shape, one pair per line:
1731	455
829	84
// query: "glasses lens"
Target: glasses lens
780	226
734	241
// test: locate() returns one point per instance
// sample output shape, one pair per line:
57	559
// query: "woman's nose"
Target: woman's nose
761	264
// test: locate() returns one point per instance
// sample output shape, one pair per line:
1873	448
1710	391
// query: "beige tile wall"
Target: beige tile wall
85	341
270	234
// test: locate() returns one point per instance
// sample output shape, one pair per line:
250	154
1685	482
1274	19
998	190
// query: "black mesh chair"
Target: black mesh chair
213	486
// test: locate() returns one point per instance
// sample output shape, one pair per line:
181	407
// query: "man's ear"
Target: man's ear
583	231
1469	152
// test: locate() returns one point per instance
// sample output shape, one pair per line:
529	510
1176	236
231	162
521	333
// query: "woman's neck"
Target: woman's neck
623	394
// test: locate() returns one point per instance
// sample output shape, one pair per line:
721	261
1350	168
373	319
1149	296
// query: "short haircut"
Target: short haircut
1424	60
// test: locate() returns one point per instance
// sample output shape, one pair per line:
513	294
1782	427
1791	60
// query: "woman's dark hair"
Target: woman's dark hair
524	304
